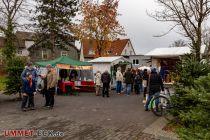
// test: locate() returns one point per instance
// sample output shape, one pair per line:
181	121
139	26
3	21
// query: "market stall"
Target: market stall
166	60
73	74
110	64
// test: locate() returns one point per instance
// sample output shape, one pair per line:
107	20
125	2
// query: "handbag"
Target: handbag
145	83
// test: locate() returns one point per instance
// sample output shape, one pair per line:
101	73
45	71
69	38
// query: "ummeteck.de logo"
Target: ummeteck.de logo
32	133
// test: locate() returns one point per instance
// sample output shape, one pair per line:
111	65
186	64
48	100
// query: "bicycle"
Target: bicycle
163	103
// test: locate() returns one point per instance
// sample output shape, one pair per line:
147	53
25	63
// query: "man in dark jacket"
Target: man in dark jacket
128	76
155	85
106	79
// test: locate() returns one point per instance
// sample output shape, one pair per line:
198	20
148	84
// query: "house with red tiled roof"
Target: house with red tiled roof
118	47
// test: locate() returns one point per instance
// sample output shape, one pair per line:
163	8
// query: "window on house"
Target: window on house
134	61
91	52
125	51
137	61
64	53
19	52
109	51
44	55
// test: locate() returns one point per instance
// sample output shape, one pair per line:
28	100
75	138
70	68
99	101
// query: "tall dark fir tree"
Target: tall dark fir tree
53	17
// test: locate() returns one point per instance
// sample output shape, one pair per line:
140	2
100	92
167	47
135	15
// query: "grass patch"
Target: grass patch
2	82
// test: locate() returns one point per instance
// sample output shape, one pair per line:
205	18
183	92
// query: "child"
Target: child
29	88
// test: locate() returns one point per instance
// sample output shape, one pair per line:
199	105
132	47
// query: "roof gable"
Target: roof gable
116	47
105	59
25	35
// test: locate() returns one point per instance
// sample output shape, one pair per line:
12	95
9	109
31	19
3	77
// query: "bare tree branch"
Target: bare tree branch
188	15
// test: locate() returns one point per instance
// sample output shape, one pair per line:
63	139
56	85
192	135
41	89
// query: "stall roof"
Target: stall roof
63	60
106	59
172	52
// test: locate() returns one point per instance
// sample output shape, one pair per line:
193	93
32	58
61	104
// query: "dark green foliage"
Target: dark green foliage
191	104
54	18
9	49
14	68
191	69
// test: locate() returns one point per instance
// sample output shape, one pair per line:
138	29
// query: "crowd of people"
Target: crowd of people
148	82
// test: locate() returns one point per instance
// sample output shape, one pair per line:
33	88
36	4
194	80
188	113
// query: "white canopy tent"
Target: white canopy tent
108	63
172	52
104	63
168	58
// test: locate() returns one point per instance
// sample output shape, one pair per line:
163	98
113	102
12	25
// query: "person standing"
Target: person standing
141	76
145	82
106	79
119	80
73	75
138	82
128	76
98	82
29	69
29	88
133	71
155	85
51	85
44	91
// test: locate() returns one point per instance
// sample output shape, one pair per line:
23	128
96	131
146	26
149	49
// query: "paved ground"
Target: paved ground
84	117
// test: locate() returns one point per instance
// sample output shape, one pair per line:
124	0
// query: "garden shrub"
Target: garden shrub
191	103
14	69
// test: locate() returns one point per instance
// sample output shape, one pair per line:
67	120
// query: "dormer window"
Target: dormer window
108	51
91	52
64	53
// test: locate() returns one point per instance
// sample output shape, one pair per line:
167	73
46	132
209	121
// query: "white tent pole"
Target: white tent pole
57	70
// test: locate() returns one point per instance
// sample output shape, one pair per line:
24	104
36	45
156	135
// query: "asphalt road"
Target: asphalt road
84	117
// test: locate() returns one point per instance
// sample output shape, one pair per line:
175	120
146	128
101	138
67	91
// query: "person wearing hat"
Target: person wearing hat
29	69
51	85
155	85
29	88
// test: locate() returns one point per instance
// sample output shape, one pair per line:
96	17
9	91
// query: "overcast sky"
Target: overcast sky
141	28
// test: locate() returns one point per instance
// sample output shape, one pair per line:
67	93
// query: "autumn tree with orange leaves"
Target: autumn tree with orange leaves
99	23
